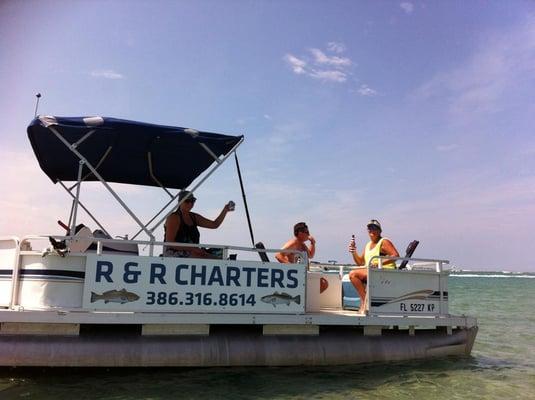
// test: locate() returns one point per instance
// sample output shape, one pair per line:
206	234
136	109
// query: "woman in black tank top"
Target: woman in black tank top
181	227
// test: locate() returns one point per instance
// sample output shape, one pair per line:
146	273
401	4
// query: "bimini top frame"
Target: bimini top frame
113	150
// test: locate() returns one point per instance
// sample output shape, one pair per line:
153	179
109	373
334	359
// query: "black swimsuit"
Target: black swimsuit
185	234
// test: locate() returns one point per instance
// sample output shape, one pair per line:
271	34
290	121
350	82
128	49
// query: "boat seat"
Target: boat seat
82	239
114	247
408	253
262	254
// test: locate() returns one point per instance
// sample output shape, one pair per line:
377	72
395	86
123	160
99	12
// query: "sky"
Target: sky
418	114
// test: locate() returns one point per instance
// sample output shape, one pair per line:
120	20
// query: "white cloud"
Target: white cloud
329	75
321	66
321	58
365	90
297	65
267	116
407	7
336	47
106	74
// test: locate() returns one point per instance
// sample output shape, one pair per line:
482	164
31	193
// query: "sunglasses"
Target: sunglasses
192	201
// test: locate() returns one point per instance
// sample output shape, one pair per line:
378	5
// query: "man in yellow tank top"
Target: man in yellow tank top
377	246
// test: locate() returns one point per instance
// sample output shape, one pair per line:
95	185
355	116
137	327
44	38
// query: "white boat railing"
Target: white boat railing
100	241
438	263
15	275
23	245
438	269
418	265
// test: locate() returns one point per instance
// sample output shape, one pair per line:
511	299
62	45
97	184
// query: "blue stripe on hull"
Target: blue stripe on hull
44	275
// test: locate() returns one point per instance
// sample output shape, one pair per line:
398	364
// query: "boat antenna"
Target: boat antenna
244	198
38	95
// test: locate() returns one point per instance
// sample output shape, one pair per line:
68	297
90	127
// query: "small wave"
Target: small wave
492	276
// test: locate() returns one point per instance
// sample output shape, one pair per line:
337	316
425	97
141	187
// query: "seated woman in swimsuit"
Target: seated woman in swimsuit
377	246
181	226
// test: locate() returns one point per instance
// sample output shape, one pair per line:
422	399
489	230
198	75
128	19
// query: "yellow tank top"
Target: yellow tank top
376	251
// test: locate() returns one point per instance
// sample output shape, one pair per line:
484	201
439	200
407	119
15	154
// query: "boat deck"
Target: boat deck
325	317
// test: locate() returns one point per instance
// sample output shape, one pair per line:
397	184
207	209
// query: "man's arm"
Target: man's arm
282	258
388	249
359	260
312	249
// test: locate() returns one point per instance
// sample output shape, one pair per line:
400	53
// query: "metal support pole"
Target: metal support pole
192	191
15	275
84	208
38	95
96	166
72	207
207	149
244	199
368	294
440	288
151	172
77	197
97	175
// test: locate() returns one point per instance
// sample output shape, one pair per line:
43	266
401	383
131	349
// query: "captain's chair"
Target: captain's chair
408	253
262	254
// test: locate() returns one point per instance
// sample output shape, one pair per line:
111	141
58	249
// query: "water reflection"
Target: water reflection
412	380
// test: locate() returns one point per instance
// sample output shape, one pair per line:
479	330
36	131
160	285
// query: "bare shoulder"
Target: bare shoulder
389	247
172	217
388	244
291	244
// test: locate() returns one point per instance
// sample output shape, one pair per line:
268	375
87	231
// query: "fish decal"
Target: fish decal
115	296
281	298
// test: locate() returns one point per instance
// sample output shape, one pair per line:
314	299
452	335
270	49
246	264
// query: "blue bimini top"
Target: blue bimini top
125	151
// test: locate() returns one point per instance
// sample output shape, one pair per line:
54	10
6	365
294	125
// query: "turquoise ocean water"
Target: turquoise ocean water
502	365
